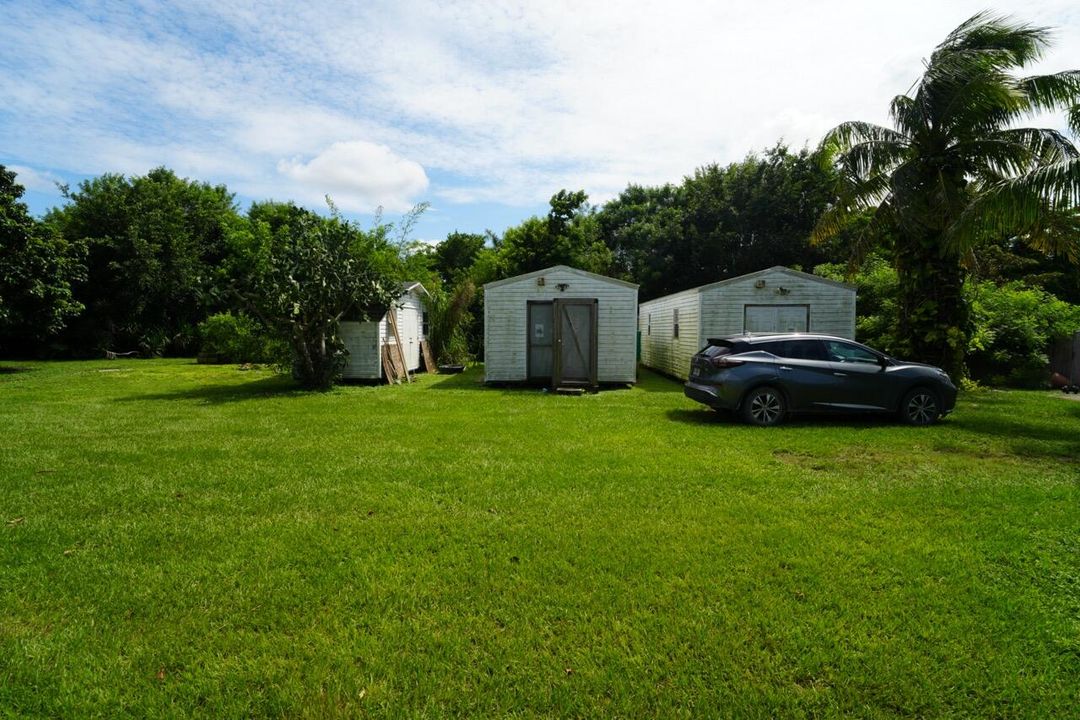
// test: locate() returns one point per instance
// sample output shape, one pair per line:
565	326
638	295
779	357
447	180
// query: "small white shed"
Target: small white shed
364	340
778	299
561	327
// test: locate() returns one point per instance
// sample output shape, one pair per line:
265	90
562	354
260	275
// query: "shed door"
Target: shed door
575	342
541	341
776	318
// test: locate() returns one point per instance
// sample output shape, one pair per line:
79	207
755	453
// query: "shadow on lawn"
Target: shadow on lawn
1060	441
652	381
13	369
471	379
273	387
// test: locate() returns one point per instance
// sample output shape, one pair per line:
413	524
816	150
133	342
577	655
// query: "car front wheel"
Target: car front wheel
920	407
764	407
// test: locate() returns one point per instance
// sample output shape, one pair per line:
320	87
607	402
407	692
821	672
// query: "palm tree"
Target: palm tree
955	172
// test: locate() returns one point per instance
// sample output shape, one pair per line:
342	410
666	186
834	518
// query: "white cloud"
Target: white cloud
495	104
359	176
32	179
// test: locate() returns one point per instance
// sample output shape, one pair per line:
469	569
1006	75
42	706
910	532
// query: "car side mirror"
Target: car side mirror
883	361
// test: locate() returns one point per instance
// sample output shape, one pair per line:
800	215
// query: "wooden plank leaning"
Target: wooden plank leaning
391	317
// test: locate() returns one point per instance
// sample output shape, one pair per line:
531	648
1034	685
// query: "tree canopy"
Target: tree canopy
955	173
37	267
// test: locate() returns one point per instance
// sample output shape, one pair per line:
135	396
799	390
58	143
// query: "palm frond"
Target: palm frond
1052	92
907	116
848	134
871	157
1017	206
996	39
1008	153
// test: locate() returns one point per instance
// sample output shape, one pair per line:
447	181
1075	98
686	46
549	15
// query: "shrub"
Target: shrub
1014	325
239	339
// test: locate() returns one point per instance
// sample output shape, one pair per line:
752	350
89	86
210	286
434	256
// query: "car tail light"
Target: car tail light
724	361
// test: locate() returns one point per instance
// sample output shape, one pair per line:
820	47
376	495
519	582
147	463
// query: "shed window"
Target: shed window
675	323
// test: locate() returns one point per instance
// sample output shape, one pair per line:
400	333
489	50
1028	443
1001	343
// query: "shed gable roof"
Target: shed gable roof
553	268
781	269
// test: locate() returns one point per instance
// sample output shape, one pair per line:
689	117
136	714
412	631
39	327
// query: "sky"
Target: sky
483	109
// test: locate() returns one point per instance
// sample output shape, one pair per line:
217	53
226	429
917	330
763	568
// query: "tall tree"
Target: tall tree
954	173
37	267
569	235
154	245
301	274
720	222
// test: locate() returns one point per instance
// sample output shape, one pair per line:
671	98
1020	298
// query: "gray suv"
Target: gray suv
763	378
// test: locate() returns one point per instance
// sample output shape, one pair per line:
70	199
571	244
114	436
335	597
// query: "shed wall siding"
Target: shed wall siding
832	308
364	340
506	334
660	349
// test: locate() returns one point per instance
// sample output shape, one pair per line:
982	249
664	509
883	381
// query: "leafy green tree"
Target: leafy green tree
955	173
155	243
569	235
457	254
37	267
1013	326
301	274
720	222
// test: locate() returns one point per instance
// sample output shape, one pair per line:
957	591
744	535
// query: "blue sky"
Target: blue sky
482	110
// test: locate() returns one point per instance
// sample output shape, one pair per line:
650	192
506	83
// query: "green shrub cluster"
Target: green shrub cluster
1013	327
229	338
1012	324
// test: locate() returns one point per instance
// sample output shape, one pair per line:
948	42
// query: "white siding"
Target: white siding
723	306
364	340
410	326
719	309
505	331
660	349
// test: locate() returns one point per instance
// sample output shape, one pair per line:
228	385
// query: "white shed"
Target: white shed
778	299
364	340
560	326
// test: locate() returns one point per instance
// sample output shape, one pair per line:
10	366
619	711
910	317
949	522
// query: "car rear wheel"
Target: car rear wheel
764	406
920	407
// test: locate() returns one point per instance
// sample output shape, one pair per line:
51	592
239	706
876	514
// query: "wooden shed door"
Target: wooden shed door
575	342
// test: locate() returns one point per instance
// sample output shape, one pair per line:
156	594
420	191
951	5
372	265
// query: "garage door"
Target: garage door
776	318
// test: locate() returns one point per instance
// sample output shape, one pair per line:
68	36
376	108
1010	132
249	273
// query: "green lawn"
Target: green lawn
179	539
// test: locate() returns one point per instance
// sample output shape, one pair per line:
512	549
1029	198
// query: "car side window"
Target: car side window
846	352
795	349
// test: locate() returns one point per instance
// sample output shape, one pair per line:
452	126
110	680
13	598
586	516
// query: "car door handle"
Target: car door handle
785	367
840	374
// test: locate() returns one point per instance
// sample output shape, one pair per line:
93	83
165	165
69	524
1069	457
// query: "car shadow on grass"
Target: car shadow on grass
802	420
272	387
13	369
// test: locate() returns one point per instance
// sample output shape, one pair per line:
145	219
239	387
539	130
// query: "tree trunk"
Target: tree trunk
933	326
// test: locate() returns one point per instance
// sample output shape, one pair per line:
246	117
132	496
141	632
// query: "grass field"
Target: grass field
179	539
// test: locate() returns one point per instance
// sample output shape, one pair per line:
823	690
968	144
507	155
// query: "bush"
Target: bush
229	338
1014	325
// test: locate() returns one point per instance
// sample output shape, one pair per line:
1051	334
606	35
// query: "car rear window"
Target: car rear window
716	348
